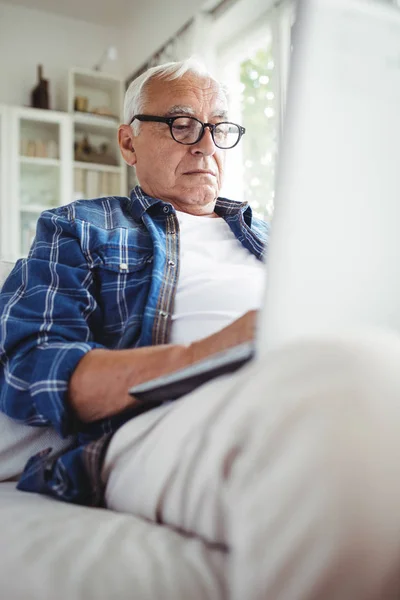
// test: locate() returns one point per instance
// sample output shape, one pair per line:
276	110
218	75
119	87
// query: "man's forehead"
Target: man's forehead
188	94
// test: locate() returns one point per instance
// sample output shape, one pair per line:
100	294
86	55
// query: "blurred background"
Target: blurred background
64	68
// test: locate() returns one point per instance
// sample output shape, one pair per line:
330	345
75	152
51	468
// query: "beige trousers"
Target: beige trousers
292	465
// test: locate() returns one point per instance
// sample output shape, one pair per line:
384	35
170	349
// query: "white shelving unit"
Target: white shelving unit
39	145
43	162
98	165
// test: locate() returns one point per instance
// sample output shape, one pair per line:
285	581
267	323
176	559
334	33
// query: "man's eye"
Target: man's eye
222	130
181	127
183	122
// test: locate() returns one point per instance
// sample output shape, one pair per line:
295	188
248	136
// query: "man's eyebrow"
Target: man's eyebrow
221	114
180	109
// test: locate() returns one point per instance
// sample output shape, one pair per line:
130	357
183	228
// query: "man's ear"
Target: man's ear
126	144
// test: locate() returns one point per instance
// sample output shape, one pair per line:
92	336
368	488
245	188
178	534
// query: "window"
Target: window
254	65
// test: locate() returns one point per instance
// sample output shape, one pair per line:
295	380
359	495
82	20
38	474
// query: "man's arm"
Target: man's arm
99	385
48	311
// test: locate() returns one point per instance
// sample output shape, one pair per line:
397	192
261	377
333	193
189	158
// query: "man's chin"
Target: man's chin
200	193
201	199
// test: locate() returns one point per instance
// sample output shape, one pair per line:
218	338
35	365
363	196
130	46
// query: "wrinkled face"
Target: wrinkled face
188	176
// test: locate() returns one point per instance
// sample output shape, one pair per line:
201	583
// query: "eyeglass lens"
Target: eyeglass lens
187	130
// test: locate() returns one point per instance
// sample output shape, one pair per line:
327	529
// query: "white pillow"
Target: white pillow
18	442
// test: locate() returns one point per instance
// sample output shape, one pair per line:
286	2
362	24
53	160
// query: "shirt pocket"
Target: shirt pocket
122	278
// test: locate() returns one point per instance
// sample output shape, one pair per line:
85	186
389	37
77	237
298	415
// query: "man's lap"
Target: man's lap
147	448
195	438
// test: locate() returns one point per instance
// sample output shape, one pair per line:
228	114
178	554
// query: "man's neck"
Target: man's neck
206	215
197	210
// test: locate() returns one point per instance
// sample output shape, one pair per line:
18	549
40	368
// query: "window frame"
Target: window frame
232	31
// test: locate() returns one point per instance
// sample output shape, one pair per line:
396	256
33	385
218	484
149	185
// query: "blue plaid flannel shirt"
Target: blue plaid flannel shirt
100	274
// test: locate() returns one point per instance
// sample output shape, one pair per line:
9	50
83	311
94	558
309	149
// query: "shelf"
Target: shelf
38	161
95	89
91	77
93	120
41	115
97	167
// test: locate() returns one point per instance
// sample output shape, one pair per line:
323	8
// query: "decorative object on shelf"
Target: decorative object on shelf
92	183
40	93
81	104
85	152
104	111
99	111
52	149
83	147
39	148
109	54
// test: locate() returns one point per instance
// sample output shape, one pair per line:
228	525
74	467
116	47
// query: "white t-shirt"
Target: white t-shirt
219	279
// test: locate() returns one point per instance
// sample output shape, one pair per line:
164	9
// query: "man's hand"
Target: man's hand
99	385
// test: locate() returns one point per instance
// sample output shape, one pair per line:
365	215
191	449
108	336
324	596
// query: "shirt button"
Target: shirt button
171	263
123	266
163	314
166	209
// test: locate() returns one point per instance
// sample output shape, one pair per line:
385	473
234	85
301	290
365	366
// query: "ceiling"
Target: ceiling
103	12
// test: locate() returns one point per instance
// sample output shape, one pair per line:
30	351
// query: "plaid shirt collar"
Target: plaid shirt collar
141	202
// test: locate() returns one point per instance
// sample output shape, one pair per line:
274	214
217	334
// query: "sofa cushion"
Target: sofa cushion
51	550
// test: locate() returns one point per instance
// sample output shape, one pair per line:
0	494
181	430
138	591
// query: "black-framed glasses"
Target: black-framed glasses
189	130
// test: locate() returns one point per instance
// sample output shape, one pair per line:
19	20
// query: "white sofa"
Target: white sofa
55	551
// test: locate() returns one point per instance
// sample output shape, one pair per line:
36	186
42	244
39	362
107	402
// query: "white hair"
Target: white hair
135	96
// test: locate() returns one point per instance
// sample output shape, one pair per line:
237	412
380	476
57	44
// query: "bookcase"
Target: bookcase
50	158
37	166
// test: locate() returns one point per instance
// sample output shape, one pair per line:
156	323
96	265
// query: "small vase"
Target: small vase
40	94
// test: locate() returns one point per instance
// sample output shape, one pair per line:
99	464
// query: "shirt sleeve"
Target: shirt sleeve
48	312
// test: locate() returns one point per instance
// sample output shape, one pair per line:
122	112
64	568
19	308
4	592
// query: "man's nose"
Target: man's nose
205	145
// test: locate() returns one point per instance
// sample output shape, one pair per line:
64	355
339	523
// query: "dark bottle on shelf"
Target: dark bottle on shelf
40	93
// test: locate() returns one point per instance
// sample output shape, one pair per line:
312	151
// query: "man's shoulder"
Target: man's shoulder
230	210
106	212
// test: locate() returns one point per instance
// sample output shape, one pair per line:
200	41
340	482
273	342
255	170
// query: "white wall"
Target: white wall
30	37
150	27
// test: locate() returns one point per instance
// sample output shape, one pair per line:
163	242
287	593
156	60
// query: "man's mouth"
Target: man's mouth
200	172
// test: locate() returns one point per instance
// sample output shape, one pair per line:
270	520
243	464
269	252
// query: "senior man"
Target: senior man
289	465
